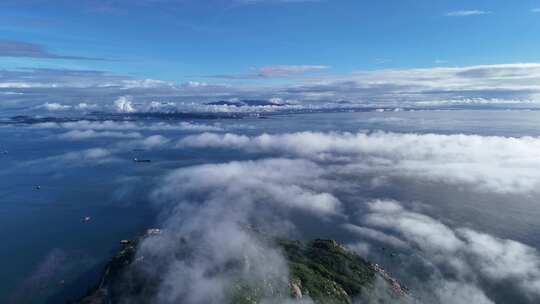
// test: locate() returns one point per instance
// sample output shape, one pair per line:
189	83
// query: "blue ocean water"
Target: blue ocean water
49	253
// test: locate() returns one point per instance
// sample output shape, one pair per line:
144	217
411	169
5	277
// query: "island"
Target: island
323	271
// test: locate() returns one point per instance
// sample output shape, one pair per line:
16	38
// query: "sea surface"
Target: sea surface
63	214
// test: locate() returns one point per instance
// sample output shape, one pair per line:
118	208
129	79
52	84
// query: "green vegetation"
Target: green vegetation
320	270
326	272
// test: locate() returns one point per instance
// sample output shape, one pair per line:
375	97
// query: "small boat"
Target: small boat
86	219
153	231
138	160
125	242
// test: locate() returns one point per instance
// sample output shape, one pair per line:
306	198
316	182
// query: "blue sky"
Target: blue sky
148	54
180	40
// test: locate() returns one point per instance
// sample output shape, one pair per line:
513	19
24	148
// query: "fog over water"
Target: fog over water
451	195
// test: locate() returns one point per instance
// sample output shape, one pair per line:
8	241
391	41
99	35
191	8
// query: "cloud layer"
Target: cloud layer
467	13
223	201
499	164
211	205
503	85
469	254
331	185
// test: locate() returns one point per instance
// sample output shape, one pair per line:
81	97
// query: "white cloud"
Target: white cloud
25	85
210	203
155	106
487	163
75	158
195	84
501	259
86	106
54	106
221	202
460	293
90	154
150	142
410	86
376	235
420	229
470	254
274	181
463	78
466	13
212	140
187	126
90	134
517	83
143	83
130	125
285	70
124	104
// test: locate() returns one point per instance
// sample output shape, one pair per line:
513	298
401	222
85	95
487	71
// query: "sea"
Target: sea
71	190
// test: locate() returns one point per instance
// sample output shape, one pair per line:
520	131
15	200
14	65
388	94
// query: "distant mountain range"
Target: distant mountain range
251	103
